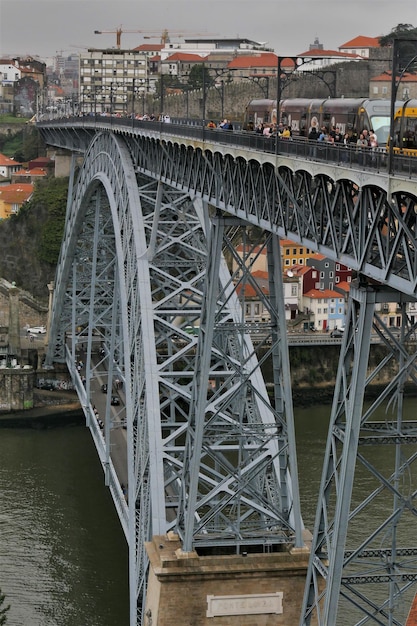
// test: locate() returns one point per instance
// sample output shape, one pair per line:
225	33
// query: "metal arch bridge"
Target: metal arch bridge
153	218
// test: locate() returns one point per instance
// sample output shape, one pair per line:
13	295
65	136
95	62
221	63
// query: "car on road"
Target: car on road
36	330
115	400
104	388
336	333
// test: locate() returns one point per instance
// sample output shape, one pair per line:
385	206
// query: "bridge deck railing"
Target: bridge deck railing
374	159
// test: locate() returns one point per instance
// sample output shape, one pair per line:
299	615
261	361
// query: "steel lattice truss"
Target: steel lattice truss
143	291
348	219
363	568
367	222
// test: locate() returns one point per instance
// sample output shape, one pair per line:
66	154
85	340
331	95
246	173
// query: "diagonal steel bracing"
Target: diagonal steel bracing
363	568
228	477
143	293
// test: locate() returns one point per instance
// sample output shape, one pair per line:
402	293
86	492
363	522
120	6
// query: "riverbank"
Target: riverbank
52	409
62	408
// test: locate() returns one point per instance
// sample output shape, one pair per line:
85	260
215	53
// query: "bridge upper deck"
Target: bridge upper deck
351	206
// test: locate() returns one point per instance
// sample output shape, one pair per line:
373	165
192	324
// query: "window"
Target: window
294	290
257	309
287	251
384	91
287	261
375	90
294	251
247	309
330	274
337	279
321	274
300	261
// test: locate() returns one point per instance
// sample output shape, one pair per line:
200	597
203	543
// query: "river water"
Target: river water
63	556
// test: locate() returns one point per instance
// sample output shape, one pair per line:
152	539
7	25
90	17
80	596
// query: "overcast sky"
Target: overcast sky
43	27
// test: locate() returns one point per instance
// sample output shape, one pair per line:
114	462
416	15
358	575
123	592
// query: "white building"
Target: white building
111	79
326	307
9	72
214	46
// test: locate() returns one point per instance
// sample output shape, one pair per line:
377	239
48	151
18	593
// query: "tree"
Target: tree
405	50
401	31
3	609
198	75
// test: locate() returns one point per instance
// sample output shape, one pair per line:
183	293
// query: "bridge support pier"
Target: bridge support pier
212	590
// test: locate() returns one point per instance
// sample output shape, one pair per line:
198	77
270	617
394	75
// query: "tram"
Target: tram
405	128
300	114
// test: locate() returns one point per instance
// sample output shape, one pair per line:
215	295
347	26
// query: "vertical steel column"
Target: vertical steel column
282	387
198	402
329	537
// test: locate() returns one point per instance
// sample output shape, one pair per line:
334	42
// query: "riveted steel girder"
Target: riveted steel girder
366	221
143	293
363	568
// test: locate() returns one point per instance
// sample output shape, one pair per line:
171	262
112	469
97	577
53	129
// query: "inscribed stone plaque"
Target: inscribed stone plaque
253	604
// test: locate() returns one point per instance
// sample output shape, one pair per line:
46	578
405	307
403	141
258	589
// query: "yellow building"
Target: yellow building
12	197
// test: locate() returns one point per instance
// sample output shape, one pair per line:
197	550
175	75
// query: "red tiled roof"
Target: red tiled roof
16	193
254	60
361	42
150	47
324	294
328	53
260	274
405	78
318	255
344	285
183	56
35	171
5	161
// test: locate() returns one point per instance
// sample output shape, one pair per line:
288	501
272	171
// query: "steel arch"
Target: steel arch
143	292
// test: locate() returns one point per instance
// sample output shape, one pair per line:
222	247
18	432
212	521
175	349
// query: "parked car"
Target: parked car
336	333
36	330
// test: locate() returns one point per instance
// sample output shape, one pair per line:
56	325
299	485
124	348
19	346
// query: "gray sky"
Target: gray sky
43	27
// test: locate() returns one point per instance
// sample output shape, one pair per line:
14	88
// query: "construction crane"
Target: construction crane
164	36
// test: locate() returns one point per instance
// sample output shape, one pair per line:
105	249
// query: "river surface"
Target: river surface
63	556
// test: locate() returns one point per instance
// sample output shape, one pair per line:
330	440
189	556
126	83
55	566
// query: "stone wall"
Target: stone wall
16	389
349	80
184	587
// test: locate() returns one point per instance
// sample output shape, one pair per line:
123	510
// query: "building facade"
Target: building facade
111	80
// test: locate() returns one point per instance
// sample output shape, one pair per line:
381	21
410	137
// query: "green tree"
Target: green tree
198	75
405	36
3	609
401	31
